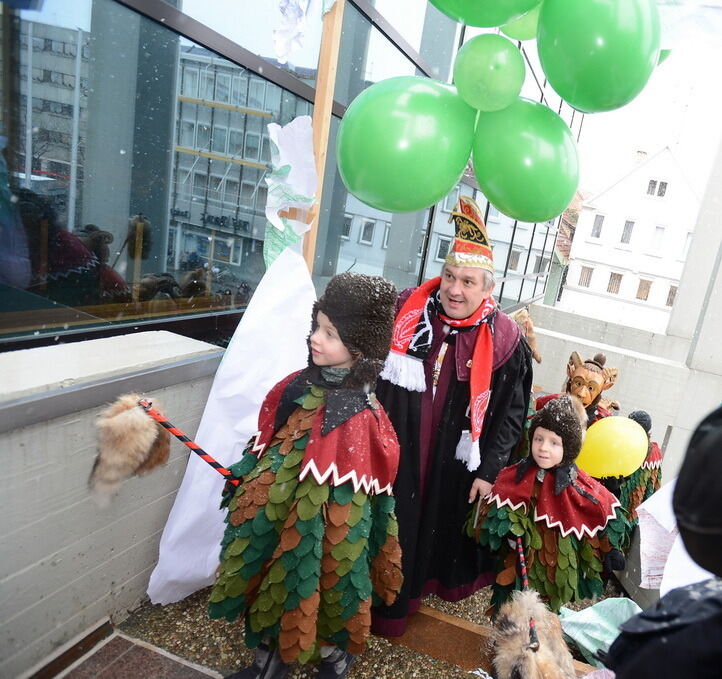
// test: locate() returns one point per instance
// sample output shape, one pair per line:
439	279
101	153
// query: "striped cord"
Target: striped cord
163	422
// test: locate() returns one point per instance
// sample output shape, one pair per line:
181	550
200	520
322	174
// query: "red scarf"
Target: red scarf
412	326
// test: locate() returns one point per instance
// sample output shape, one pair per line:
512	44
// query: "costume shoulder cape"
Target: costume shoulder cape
584	507
352	439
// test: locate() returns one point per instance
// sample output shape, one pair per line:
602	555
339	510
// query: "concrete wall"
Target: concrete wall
66	564
653	373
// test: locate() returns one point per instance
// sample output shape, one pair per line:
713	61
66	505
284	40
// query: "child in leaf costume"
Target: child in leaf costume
571	526
311	540
640	485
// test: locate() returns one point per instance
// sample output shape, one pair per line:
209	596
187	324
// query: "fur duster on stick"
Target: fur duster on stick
130	443
514	657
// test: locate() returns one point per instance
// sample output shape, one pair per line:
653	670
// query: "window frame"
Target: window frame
440	240
615	282
597	226
365	222
585	276
345	234
627	231
643	289
672	295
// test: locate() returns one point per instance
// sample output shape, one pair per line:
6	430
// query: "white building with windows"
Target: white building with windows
522	251
630	246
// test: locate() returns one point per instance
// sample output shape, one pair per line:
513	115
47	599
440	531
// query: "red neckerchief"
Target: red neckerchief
410	325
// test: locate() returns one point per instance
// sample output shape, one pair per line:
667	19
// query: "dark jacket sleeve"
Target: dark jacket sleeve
511	390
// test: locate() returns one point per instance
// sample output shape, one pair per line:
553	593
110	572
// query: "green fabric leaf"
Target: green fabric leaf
318	494
516	529
307	587
343	494
306	509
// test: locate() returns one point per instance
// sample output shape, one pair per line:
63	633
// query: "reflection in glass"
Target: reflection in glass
137	166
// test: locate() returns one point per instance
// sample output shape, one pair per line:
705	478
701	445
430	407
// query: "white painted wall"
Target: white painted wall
66	564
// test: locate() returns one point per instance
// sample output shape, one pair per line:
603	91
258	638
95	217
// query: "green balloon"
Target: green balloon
523	28
525	160
486	13
598	54
404	143
489	72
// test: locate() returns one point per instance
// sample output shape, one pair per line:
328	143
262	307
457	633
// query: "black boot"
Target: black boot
267	664
335	665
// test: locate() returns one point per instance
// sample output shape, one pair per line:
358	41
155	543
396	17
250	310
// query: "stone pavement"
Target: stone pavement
120	657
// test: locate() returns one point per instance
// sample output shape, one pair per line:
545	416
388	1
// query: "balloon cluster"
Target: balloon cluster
405	142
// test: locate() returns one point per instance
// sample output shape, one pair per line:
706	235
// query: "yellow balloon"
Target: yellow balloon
613	446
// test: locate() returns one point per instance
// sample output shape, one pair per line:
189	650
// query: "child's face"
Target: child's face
327	349
547	448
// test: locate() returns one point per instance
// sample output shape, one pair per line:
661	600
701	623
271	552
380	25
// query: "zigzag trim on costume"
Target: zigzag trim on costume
256	447
577	532
653	464
332	475
404	371
66	273
508	503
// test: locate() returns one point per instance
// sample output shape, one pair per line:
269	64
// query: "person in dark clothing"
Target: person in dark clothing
456	386
681	635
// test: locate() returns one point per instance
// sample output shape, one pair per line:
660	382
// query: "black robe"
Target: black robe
437	556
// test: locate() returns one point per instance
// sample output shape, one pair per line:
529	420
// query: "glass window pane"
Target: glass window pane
203	138
253	146
219	139
99	174
190	82
223	87
256	93
235	143
254	30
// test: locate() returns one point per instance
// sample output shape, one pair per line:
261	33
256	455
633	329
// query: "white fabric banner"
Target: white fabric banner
269	343
665	563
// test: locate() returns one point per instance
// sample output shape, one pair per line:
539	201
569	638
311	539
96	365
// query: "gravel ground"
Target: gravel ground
184	629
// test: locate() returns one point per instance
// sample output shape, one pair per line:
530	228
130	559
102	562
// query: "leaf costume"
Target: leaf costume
569	523
640	485
311	539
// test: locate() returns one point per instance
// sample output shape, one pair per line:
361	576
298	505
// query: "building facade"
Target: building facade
630	246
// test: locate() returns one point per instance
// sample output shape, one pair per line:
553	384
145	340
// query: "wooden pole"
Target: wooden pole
322	105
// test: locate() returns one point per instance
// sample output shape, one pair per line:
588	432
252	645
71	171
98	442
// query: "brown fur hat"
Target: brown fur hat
362	309
513	655
130	443
564	416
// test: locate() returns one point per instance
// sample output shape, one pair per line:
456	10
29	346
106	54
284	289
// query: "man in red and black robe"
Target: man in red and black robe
456	386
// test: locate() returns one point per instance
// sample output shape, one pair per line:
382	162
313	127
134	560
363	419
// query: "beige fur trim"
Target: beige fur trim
130	442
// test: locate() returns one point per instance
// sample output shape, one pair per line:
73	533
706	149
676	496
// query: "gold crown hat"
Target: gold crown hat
471	246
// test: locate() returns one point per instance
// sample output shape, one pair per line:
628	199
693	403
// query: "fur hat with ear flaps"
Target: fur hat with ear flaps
564	416
362	309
